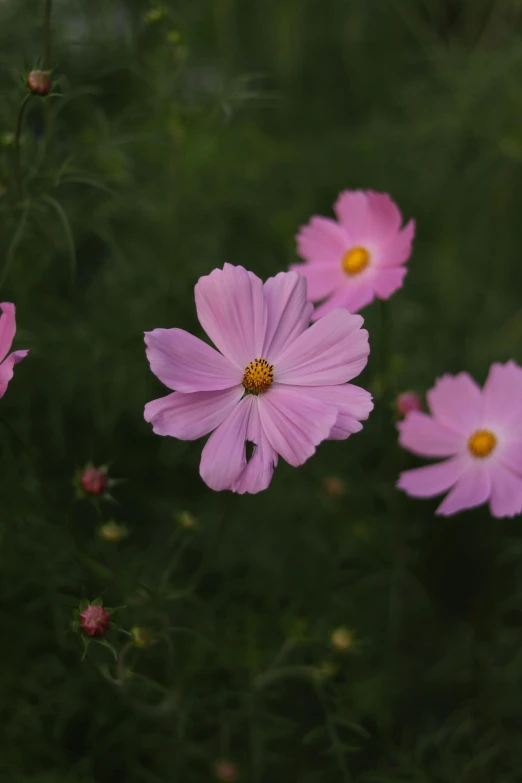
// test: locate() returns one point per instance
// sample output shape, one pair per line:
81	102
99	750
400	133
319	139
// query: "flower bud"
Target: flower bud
342	639
226	770
39	82
408	401
94	620
333	487
94	481
185	520
112	532
140	636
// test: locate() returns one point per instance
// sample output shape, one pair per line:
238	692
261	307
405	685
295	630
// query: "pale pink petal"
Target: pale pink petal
352	210
431	480
232	311
322	241
455	401
427	437
288	312
7	369
509	451
322	279
387	281
190	416
397	249
185	363
223	458
353	406
506	492
502	395
384	215
294	423
472	489
7	328
334	350
259	470
352	295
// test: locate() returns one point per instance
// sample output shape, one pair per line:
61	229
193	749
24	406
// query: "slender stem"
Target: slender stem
18	133
30	456
47	35
220	531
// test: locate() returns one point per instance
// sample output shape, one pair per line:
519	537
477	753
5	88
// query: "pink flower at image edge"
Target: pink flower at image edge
479	433
274	381
360	256
7	333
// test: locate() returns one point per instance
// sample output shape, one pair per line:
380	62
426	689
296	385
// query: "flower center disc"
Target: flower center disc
482	443
355	260
258	376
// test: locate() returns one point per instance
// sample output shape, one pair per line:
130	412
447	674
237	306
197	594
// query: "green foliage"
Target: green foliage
178	136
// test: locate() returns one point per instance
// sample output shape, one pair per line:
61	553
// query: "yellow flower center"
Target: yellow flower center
355	260
258	376
482	443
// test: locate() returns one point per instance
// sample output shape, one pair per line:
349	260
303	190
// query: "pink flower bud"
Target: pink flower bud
226	770
94	620
39	82
408	401
94	481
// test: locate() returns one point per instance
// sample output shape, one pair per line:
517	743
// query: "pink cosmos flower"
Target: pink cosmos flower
7	333
480	432
361	256
408	401
94	620
276	383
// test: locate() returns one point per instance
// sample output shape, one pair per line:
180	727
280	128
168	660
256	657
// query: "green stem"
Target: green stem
18	133
47	35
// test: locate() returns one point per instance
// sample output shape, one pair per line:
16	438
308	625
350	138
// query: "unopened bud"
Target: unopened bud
333	487
186	520
39	82
342	639
226	770
94	481
407	402
140	636
112	532
94	620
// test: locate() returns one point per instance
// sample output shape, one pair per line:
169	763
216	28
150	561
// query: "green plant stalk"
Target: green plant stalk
47	66
18	133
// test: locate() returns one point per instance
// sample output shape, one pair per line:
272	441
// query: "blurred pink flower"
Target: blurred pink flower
481	433
94	620
7	333
276	384
361	256
226	770
94	481
408	401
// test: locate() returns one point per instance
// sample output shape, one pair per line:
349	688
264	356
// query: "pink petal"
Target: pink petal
502	395
259	470
352	210
427	437
334	350
397	249
232	311
190	416
322	279
472	489
433	479
223	458
506	492
294	423
7	328
455	401
322	241
384	215
288	312
7	369
354	294
187	364
353	406
387	281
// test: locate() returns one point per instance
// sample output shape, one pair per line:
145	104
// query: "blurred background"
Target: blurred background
328	630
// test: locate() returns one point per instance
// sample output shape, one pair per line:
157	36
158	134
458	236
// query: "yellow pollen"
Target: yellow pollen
482	443
258	376
355	260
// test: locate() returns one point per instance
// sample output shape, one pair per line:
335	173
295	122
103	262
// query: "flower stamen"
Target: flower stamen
258	376
482	443
355	260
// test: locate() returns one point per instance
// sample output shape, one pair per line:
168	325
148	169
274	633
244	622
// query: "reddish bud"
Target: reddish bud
226	770
39	82
94	620
408	401
94	481
334	487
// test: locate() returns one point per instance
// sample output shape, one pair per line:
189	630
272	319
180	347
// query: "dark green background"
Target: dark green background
166	155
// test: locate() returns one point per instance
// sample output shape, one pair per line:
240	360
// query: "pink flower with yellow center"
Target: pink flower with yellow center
274	382
360	256
480	434
7	333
